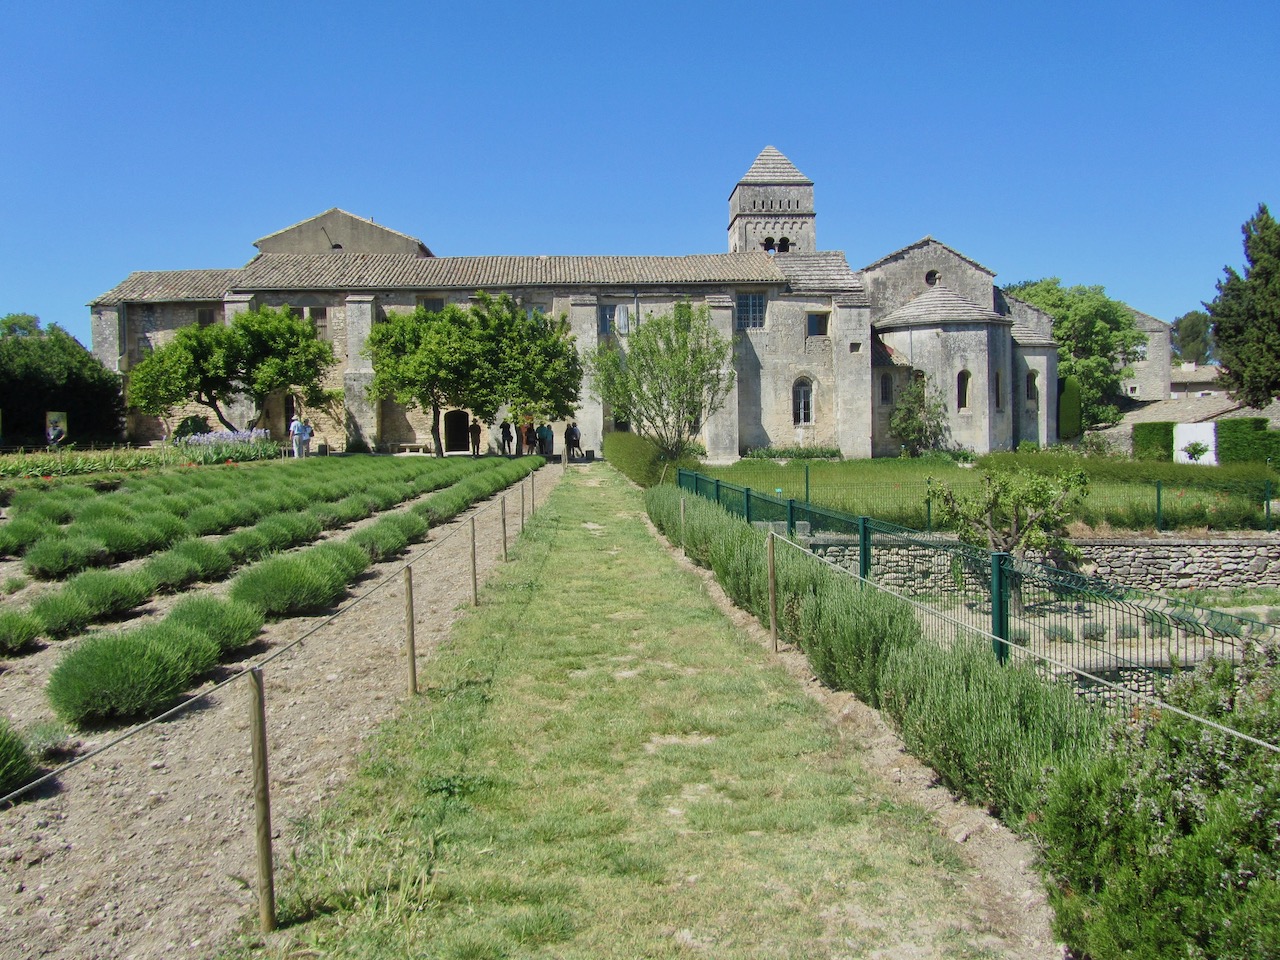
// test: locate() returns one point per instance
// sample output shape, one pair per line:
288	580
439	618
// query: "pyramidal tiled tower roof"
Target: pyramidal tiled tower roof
772	167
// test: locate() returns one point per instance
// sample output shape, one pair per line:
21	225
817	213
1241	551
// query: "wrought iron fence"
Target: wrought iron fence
1094	629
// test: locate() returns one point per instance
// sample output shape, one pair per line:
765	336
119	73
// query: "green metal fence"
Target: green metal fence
1074	624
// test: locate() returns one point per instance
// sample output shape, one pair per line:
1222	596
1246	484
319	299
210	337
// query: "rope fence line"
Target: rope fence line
205	695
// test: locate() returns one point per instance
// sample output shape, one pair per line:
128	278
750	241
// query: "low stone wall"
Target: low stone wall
1161	565
1185	564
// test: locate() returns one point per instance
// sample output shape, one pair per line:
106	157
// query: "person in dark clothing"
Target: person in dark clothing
530	439
506	438
474	430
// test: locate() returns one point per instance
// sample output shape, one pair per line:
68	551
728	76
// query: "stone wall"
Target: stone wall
1160	565
1185	564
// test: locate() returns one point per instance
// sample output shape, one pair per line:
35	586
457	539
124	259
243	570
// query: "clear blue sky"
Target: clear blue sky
1118	143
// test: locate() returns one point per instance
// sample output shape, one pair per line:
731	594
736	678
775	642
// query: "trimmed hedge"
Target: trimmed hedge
1247	440
638	458
1070	424
1153	441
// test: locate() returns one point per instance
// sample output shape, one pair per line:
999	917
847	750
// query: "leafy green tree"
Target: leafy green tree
538	373
667	377
1192	337
919	419
433	361
480	359
1017	514
1097	340
274	350
1246	316
255	355
43	370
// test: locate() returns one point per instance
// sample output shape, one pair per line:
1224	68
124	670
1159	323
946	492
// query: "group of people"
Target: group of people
539	440
300	434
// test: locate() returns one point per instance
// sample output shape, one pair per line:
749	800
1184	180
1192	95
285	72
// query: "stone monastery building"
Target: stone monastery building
822	351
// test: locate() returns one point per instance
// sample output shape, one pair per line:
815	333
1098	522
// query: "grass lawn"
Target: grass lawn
602	766
1122	494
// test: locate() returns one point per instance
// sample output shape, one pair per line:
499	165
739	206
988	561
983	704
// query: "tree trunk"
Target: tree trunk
435	430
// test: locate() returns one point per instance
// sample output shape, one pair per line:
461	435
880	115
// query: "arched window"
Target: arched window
768	244
962	390
1033	394
802	402
886	389
784	245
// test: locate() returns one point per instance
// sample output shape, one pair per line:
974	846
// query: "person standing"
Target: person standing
530	439
506	439
295	436
307	434
474	430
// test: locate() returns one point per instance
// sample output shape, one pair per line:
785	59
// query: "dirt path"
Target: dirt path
147	851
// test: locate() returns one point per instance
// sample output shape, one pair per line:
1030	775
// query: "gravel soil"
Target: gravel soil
147	850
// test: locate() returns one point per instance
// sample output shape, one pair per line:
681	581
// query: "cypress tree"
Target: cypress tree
1246	315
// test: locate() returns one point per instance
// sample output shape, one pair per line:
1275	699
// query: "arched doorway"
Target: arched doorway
455	432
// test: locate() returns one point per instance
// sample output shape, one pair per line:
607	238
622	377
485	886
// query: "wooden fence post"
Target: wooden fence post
262	801
683	549
533	495
410	647
504	529
773	595
475	588
522	508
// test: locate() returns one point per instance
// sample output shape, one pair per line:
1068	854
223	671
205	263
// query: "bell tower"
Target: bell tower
771	208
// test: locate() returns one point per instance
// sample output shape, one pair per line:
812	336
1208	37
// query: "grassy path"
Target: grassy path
602	766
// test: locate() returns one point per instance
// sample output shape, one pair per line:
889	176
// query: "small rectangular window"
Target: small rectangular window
750	312
320	319
606	314
431	304
205	316
296	312
817	324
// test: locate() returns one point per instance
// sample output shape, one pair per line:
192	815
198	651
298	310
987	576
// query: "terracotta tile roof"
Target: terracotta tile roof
886	356
355	271
826	271
1200	373
772	167
1025	336
168	286
925	241
937	306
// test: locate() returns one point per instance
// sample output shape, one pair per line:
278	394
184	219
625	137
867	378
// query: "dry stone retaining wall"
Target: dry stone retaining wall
1160	565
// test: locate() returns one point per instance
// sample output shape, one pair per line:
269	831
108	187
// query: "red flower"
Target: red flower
230	461
47	476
